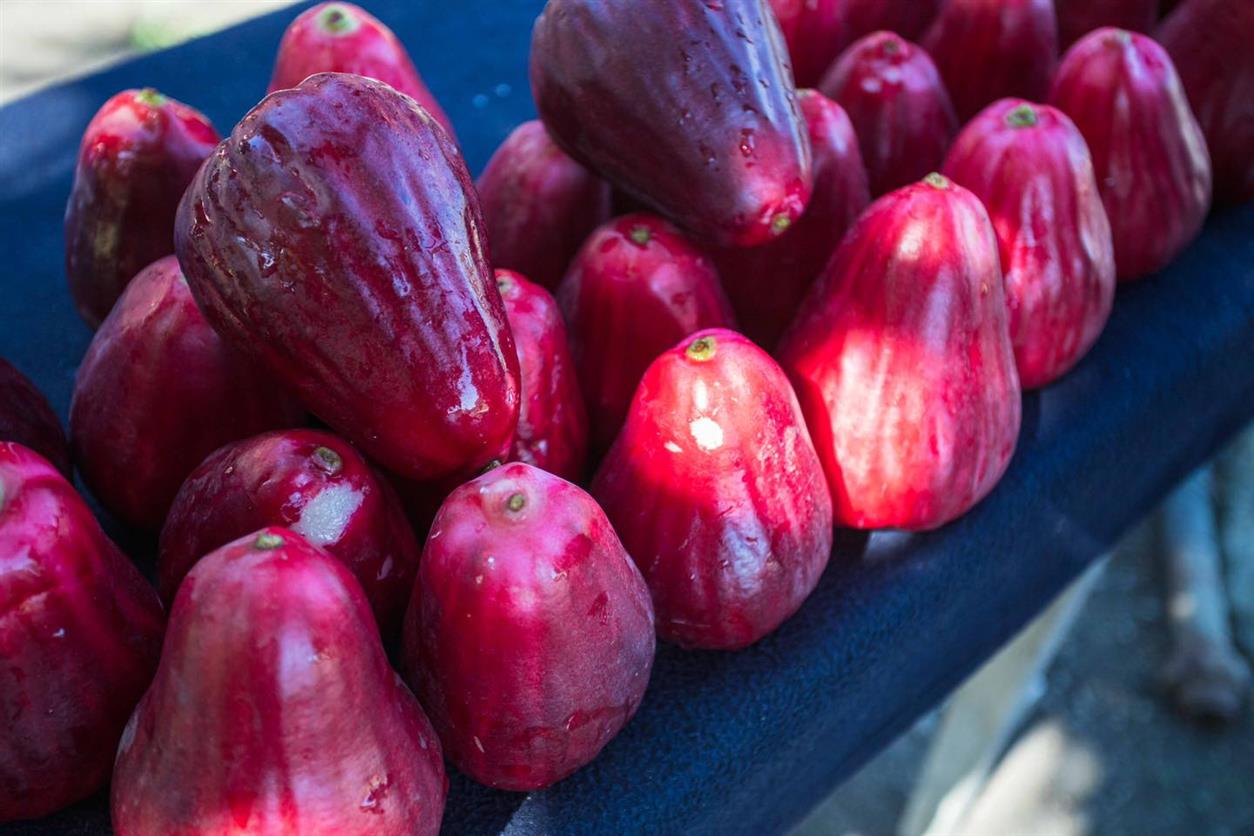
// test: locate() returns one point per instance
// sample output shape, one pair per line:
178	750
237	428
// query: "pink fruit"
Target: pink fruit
27	418
538	205
80	631
718	493
1031	168
530	635
765	284
898	105
1079	17
636	288
814	32
274	710
902	362
1149	155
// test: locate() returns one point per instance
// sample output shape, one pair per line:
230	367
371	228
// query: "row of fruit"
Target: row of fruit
677	281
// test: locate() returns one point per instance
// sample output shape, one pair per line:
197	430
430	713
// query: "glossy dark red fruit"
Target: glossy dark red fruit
765	284
138	154
636	288
902	362
311	482
986	50
1077	18
80	631
814	31
345	38
898	105
157	392
1031	168
336	238
530	637
908	18
27	418
538	205
274	709
1150	157
686	105
718	493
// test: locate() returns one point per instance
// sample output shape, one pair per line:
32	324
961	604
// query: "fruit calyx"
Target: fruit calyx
641	235
338	20
937	180
702	348
150	97
1023	116
328	460
516	502
267	540
780	224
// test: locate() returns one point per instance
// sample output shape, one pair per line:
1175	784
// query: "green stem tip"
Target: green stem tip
338	20
1023	116
641	235
266	541
516	502
702	348
937	180
150	97
328	460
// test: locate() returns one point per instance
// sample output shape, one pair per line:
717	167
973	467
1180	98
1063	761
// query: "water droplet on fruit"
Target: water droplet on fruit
746	142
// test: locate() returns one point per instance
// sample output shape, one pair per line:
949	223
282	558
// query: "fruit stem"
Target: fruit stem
337	20
641	235
504	284
937	180
328	460
149	97
1023	116
780	224
702	348
266	540
516	502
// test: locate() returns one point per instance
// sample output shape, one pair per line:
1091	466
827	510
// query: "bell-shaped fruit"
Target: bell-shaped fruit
1152	167
898	105
908	18
157	392
139	152
80	631
530	636
718	493
274	710
1031	168
311	482
813	30
902	362
27	418
336	238
988	49
766	284
687	105
345	38
538	205
636	288
1077	18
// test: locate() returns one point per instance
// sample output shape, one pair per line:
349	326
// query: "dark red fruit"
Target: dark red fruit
902	361
530	635
636	288
1077	18
989	49
1210	43
80	631
552	429
898	106
538	205
1149	154
336	238
718	493
27	418
687	105
908	18
1031	168
311	482
274	710
344	38
766	284
137	156
814	31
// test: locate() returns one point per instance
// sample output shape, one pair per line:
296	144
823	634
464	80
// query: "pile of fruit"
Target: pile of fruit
356	394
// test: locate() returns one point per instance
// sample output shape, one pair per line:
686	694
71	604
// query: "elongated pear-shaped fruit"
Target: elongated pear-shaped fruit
1031	168
27	418
274	709
335	237
80	631
718	493
902	361
687	105
530	635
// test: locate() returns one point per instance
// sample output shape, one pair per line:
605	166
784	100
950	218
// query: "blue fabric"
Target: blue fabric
746	742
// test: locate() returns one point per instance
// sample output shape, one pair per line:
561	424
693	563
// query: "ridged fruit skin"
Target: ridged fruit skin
312	482
336	237
1031	168
1150	157
345	38
908	18
902	362
539	205
138	154
530	636
1077	18
552	429
686	105
80	631
813	31
157	391
274	709
898	105
718	493
766	284
1209	41
986	50
636	288
27	418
